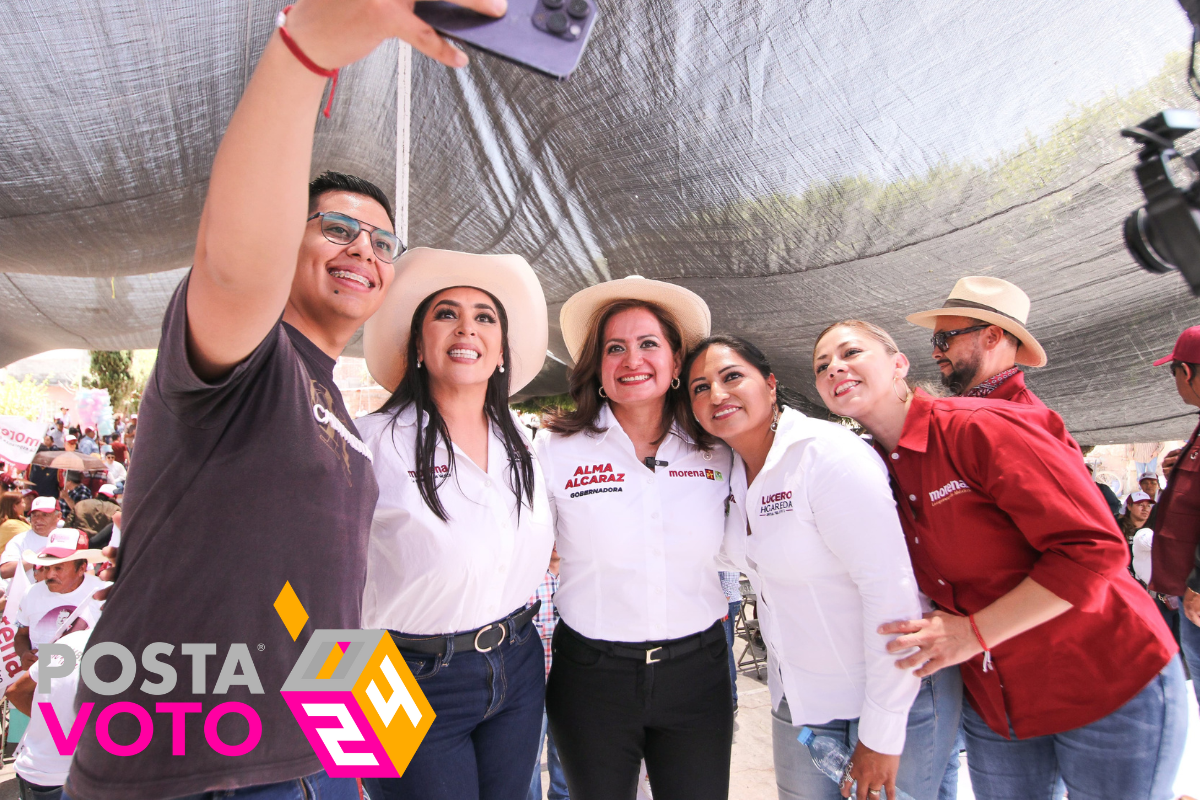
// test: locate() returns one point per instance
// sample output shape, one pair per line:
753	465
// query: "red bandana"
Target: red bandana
991	384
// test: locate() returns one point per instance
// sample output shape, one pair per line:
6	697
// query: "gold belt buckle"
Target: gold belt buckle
650	655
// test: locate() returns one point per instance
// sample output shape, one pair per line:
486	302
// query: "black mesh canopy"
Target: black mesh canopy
793	162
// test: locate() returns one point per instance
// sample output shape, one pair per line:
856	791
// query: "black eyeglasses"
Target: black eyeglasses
341	229
941	339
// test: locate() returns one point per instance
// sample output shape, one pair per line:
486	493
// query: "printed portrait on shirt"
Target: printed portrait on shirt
44	629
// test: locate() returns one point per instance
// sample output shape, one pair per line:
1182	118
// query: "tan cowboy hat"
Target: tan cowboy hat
421	272
579	312
995	302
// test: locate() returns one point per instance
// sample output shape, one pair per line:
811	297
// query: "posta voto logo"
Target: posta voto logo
353	696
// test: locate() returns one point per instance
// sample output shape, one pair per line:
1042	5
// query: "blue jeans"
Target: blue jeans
949	790
932	726
558	781
1189	645
1133	753
34	791
734	608
484	740
317	786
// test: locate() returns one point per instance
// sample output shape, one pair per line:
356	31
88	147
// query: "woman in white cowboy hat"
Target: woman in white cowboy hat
640	662
462	530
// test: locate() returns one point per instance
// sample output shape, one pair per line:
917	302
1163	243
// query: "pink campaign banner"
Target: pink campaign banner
19	439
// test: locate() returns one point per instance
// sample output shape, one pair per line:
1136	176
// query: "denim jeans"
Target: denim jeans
317	786
484	739
932	726
1189	645
949	790
33	791
1132	754
734	608
558	781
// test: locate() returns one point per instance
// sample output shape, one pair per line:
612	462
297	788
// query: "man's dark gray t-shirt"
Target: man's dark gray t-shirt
240	486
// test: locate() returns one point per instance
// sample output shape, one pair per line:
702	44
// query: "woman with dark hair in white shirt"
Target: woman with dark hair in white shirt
462	531
826	555
639	669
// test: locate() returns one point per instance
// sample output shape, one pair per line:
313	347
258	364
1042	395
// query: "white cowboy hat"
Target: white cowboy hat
578	314
61	546
421	272
995	302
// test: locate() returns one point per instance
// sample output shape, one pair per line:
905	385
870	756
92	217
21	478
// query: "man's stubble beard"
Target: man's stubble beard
962	375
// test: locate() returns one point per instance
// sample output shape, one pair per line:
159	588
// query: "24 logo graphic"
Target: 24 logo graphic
358	704
354	697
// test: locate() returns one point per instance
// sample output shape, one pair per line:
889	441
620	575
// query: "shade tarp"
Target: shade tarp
793	162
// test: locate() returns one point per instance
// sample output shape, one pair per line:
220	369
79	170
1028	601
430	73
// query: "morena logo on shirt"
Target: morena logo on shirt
335	690
594	473
707	474
439	470
773	504
949	490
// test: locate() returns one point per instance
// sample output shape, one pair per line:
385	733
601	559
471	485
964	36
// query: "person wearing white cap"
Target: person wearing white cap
462	530
640	665
48	607
44	517
980	337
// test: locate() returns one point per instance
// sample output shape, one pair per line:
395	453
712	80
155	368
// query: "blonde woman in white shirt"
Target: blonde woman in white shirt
462	531
827	558
640	661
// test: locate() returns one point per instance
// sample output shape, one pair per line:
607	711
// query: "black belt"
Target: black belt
481	640
651	652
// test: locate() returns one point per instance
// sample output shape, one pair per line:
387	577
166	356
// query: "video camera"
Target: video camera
1164	234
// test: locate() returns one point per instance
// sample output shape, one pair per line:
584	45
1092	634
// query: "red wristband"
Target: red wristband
309	64
987	653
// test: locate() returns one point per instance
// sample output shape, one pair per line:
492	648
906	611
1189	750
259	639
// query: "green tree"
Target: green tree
112	370
23	398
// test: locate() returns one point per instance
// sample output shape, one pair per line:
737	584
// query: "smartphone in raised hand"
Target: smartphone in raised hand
546	36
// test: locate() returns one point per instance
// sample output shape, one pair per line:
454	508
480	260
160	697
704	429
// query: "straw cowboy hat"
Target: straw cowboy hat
579	312
995	302
62	545
421	272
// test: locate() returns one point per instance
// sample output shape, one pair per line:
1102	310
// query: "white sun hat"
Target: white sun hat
423	271
994	301
579	313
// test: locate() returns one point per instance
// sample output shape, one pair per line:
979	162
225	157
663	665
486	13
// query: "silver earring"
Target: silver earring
602	394
775	419
418	363
502	368
675	383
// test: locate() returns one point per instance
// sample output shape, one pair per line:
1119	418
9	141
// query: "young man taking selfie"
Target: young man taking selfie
243	395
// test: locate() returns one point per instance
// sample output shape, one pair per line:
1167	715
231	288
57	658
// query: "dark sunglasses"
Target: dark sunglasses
341	229
941	339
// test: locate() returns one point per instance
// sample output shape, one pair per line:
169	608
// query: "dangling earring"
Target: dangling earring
418	363
501	368
902	398
775	419
675	383
602	394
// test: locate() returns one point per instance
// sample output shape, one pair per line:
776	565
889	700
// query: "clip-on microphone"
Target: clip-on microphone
651	462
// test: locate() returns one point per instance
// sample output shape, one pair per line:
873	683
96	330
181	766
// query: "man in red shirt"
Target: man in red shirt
1175	557
980	337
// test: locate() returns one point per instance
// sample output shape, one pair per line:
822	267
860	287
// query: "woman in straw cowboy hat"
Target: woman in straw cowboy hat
1026	568
640	662
462	532
814	521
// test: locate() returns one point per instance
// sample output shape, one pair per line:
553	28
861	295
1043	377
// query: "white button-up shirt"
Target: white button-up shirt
827	558
428	577
638	548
